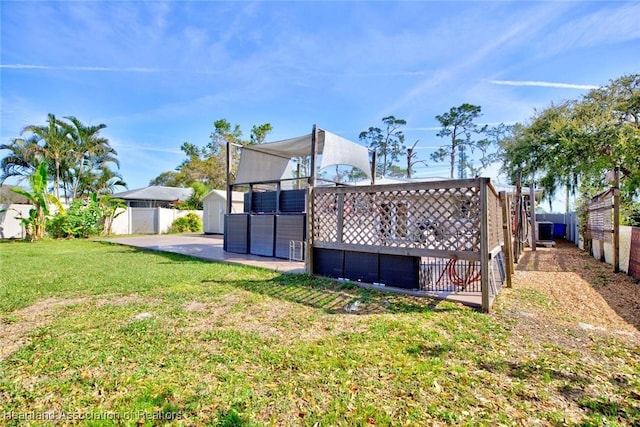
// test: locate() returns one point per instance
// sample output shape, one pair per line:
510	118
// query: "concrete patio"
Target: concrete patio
207	247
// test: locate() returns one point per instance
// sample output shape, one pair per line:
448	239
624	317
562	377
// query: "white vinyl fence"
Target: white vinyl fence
148	220
603	250
10	226
131	221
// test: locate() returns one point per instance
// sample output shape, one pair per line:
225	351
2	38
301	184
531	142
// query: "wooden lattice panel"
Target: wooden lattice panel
446	219
325	225
494	219
634	253
600	222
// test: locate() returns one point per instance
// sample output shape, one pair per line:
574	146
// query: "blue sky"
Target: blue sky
159	73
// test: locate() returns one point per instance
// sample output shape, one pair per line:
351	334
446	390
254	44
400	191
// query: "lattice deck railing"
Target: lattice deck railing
449	220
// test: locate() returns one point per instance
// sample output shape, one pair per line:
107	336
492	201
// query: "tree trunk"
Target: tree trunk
453	160
56	184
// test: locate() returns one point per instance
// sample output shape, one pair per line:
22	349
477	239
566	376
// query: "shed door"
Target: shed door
221	212
216	221
213	219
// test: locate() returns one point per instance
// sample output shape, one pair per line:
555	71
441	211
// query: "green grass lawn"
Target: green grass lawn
108	335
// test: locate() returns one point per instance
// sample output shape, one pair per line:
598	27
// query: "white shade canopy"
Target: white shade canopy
268	162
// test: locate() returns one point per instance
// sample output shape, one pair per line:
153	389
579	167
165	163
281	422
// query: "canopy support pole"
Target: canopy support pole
229	188
314	155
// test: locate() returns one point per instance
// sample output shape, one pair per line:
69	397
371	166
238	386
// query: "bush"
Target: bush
188	223
81	220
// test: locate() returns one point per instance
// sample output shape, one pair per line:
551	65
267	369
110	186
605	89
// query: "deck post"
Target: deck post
484	244
308	260
310	202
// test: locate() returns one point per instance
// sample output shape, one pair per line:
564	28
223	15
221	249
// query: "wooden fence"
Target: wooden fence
634	253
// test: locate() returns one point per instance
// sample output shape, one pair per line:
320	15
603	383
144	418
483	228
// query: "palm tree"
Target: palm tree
79	157
22	159
56	145
90	156
103	181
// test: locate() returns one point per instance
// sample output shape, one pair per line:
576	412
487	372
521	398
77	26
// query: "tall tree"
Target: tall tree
21	161
539	150
223	131
388	142
89	159
202	165
77	155
102	180
207	165
458	127
573	144
57	144
169	179
412	160
259	133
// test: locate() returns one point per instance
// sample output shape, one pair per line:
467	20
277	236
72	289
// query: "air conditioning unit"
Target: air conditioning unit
544	231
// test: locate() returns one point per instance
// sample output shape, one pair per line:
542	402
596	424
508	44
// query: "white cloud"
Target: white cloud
543	84
613	23
81	68
470	61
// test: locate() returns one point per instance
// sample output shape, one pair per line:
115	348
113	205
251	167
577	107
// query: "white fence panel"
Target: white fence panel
144	220
131	221
10	226
625	247
167	216
121	223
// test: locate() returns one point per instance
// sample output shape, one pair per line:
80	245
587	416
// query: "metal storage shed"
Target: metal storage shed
214	207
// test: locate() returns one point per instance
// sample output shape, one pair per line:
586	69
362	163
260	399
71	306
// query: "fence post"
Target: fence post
158	220
532	209
129	220
616	221
506	230
340	212
484	245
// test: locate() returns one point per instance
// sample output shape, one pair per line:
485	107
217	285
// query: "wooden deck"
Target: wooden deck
210	247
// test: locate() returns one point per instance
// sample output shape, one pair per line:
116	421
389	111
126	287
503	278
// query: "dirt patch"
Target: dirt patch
15	334
565	284
273	319
15	329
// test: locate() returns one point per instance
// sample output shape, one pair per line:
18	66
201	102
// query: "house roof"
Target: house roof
8	196
156	192
236	196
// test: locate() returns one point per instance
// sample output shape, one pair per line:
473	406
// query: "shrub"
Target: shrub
81	220
188	223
